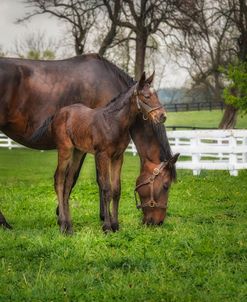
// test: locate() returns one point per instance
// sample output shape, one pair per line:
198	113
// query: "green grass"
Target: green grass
201	119
199	254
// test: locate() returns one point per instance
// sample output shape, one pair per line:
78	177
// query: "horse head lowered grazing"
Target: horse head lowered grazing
103	132
33	91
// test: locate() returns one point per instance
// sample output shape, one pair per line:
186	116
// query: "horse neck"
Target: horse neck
122	112
146	142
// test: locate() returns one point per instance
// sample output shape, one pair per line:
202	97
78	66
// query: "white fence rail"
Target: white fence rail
199	149
6	142
209	149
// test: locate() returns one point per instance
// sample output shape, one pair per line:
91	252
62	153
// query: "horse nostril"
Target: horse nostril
162	117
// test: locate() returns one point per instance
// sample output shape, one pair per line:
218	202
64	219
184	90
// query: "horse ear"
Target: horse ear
142	81
173	160
150	79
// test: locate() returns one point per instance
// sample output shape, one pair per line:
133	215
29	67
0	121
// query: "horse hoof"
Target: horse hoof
115	226
66	228
5	225
106	228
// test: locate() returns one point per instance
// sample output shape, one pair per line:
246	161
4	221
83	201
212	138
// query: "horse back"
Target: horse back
33	91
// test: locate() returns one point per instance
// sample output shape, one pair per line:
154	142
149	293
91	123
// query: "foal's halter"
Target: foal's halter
144	106
151	203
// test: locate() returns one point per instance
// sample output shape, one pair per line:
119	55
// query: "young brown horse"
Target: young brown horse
31	92
103	132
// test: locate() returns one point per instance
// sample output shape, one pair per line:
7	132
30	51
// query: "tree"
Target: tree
139	21
235	92
79	16
209	36
143	19
2	52
36	46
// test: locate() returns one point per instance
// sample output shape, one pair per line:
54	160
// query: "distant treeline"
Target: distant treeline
187	96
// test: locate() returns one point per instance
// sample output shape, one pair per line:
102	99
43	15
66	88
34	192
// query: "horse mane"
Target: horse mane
165	149
120	100
121	74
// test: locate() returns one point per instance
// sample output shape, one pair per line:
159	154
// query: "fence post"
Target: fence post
9	143
195	156
133	148
233	155
245	153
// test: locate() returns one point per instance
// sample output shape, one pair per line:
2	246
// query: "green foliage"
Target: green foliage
2	52
236	92
199	254
39	55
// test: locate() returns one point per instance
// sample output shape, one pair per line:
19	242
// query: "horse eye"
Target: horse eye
166	187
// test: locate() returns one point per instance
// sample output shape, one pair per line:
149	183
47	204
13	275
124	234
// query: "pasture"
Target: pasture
201	118
199	254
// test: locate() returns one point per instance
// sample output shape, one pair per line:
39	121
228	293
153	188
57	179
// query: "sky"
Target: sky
11	10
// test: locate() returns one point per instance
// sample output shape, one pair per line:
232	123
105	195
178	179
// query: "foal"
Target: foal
103	132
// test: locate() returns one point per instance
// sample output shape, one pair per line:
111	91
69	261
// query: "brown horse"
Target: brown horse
103	132
32	91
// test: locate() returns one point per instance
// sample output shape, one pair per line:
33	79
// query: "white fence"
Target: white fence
199	149
209	149
6	142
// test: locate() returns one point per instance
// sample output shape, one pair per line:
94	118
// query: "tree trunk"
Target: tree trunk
141	44
229	118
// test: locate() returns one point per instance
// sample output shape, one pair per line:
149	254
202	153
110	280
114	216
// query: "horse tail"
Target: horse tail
40	132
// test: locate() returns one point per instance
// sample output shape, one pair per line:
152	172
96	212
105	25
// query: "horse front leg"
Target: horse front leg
116	166
103	166
3	222
64	220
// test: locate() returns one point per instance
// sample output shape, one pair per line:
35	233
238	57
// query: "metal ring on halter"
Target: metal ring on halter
144	117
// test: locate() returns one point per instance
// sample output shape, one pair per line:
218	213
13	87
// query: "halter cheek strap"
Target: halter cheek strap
146	108
151	203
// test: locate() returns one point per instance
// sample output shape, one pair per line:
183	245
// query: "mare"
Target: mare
31	91
103	132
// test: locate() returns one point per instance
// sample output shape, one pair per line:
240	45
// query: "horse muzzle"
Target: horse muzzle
158	116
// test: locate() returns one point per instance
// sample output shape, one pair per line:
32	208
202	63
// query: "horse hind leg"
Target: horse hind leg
64	161
72	174
101	201
3	222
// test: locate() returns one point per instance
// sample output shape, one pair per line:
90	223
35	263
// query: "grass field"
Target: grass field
199	254
201	118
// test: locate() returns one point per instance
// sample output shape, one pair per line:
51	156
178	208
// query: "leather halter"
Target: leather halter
151	203
146	108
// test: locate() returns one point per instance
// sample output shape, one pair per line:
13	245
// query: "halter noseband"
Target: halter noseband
151	203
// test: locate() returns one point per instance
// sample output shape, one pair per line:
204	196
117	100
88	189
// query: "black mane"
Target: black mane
122	75
165	149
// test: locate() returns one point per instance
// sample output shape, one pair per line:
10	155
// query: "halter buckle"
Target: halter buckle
156	171
152	203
